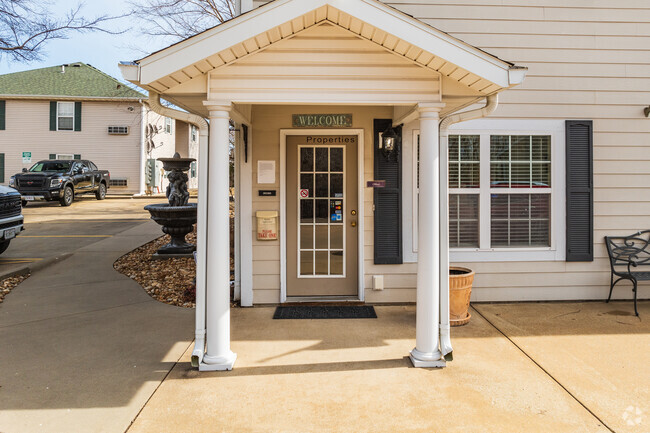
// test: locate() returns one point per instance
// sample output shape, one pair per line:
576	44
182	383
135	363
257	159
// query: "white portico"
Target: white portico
356	58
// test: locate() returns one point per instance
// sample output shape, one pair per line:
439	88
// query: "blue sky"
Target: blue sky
101	50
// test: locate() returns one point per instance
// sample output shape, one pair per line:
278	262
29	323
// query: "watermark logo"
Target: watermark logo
633	416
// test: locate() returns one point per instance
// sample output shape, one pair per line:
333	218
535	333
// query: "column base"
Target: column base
427	360
218	363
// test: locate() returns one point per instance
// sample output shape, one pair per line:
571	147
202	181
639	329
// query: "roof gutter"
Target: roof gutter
201	237
491	104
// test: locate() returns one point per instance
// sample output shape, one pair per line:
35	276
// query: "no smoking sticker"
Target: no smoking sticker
304	193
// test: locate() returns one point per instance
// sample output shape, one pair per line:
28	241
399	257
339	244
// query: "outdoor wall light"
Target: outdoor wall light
389	143
646	111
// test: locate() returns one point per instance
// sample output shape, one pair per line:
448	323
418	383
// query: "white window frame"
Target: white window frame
58	116
168	125
485	128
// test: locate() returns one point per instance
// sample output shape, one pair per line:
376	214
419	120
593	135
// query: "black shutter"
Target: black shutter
3	107
579	191
388	201
77	116
2	167
52	156
52	115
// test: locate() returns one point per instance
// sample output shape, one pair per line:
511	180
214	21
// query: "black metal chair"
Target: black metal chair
626	253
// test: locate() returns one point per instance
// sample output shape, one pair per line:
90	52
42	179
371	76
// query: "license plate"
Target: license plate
29	198
10	234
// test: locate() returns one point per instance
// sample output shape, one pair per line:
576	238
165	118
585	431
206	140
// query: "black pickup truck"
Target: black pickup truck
62	180
11	219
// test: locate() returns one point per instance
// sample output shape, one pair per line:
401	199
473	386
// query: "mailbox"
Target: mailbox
267	225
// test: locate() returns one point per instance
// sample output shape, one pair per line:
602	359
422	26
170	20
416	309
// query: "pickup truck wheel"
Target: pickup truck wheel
67	197
24	203
3	246
100	194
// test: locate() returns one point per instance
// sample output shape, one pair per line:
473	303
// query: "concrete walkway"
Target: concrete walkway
82	347
557	368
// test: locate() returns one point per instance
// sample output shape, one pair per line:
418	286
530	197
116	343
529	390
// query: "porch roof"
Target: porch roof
392	30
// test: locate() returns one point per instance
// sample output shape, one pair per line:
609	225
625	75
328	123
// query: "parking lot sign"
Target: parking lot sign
27	157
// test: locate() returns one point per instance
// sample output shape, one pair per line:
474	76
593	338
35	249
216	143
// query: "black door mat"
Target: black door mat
325	312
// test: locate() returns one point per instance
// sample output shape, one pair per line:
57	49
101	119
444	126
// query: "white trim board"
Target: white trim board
283	201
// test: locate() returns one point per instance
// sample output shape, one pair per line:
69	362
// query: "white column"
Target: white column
218	355
426	352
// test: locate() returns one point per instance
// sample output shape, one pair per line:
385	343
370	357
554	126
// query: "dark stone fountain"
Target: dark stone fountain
178	217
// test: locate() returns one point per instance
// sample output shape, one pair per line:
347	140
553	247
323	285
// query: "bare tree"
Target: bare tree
26	25
180	19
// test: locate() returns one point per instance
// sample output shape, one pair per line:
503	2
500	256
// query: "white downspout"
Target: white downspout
143	147
491	104
201	227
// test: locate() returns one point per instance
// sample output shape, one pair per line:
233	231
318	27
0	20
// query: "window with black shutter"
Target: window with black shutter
3	107
579	191
387	200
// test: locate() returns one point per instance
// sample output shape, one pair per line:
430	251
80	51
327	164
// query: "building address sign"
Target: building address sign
322	120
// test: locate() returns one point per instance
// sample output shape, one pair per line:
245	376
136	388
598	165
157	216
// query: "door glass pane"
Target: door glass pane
306	237
321	158
306	263
336	237
321	211
336	159
306	159
336	211
307	182
307	211
321	185
336	262
322	266
336	185
321	233
321	237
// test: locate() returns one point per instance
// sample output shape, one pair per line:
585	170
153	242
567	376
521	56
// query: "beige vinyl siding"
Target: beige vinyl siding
28	130
340	65
586	60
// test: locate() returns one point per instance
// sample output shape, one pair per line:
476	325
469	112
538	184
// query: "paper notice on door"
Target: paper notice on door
265	171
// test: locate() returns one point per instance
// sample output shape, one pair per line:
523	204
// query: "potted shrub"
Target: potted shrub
460	290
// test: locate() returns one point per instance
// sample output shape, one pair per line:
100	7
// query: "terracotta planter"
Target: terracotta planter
460	290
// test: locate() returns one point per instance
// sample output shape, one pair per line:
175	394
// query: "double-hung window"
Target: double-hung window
520	191
65	116
503	202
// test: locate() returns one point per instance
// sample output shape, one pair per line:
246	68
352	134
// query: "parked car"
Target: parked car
62	180
11	219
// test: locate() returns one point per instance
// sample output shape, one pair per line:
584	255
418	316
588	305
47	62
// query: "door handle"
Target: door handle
353	223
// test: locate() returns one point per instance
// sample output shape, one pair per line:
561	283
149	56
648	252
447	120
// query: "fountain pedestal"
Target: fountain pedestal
179	216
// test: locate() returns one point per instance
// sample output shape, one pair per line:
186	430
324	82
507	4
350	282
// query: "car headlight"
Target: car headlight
12	181
54	183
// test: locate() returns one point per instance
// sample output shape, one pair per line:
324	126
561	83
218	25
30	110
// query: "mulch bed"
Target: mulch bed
8	284
170	281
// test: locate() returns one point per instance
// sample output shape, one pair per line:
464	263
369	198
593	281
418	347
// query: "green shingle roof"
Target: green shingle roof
78	80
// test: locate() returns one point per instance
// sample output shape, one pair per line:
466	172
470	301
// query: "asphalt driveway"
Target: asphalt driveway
82	346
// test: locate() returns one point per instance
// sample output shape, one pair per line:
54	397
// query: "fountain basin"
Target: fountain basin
176	221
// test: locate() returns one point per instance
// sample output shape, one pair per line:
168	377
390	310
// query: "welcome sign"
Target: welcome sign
322	120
